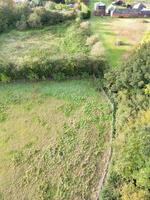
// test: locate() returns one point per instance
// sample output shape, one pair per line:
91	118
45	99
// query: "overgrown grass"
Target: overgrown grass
65	39
52	139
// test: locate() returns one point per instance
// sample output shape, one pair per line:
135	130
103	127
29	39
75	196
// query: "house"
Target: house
125	13
139	6
145	12
110	8
99	9
20	1
138	10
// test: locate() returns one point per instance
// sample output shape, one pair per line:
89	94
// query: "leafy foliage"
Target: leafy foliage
48	68
133	74
131	158
27	17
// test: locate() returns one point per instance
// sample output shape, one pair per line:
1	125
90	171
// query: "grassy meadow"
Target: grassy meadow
53	136
65	39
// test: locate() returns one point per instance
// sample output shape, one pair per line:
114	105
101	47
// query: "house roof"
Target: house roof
99	4
110	8
19	1
139	6
145	11
125	11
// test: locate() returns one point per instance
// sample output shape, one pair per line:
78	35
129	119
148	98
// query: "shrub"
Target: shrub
85	25
85	12
54	67
91	40
22	24
134	73
6	18
34	21
22	15
41	16
22	9
37	2
108	193
129	191
97	49
59	1
50	5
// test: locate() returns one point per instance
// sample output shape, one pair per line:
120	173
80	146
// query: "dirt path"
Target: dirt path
102	180
108	154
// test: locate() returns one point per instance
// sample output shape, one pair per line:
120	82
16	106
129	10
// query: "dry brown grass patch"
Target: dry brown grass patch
91	40
97	49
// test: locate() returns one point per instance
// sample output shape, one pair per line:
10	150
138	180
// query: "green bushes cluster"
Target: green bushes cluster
26	15
129	87
6	18
134	74
23	16
53	68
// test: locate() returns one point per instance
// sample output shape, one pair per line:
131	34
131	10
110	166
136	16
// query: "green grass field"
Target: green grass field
52	139
65	39
128	31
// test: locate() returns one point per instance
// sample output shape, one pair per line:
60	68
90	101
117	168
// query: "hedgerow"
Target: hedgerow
53	68
133	74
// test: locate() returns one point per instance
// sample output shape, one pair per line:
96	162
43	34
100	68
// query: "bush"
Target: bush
41	16
97	49
22	16
6	18
51	67
22	9
34	21
92	40
50	5
22	24
108	193
85	12
135	73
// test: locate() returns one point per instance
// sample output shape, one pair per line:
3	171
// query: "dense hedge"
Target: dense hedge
53	68
133	74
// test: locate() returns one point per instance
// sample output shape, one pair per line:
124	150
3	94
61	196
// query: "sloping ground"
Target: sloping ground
52	140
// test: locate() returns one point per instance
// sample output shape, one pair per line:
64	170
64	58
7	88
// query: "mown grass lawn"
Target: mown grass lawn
52	139
114	30
111	31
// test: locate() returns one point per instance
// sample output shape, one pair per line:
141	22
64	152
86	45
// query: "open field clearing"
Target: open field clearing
17	46
53	137
119	36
